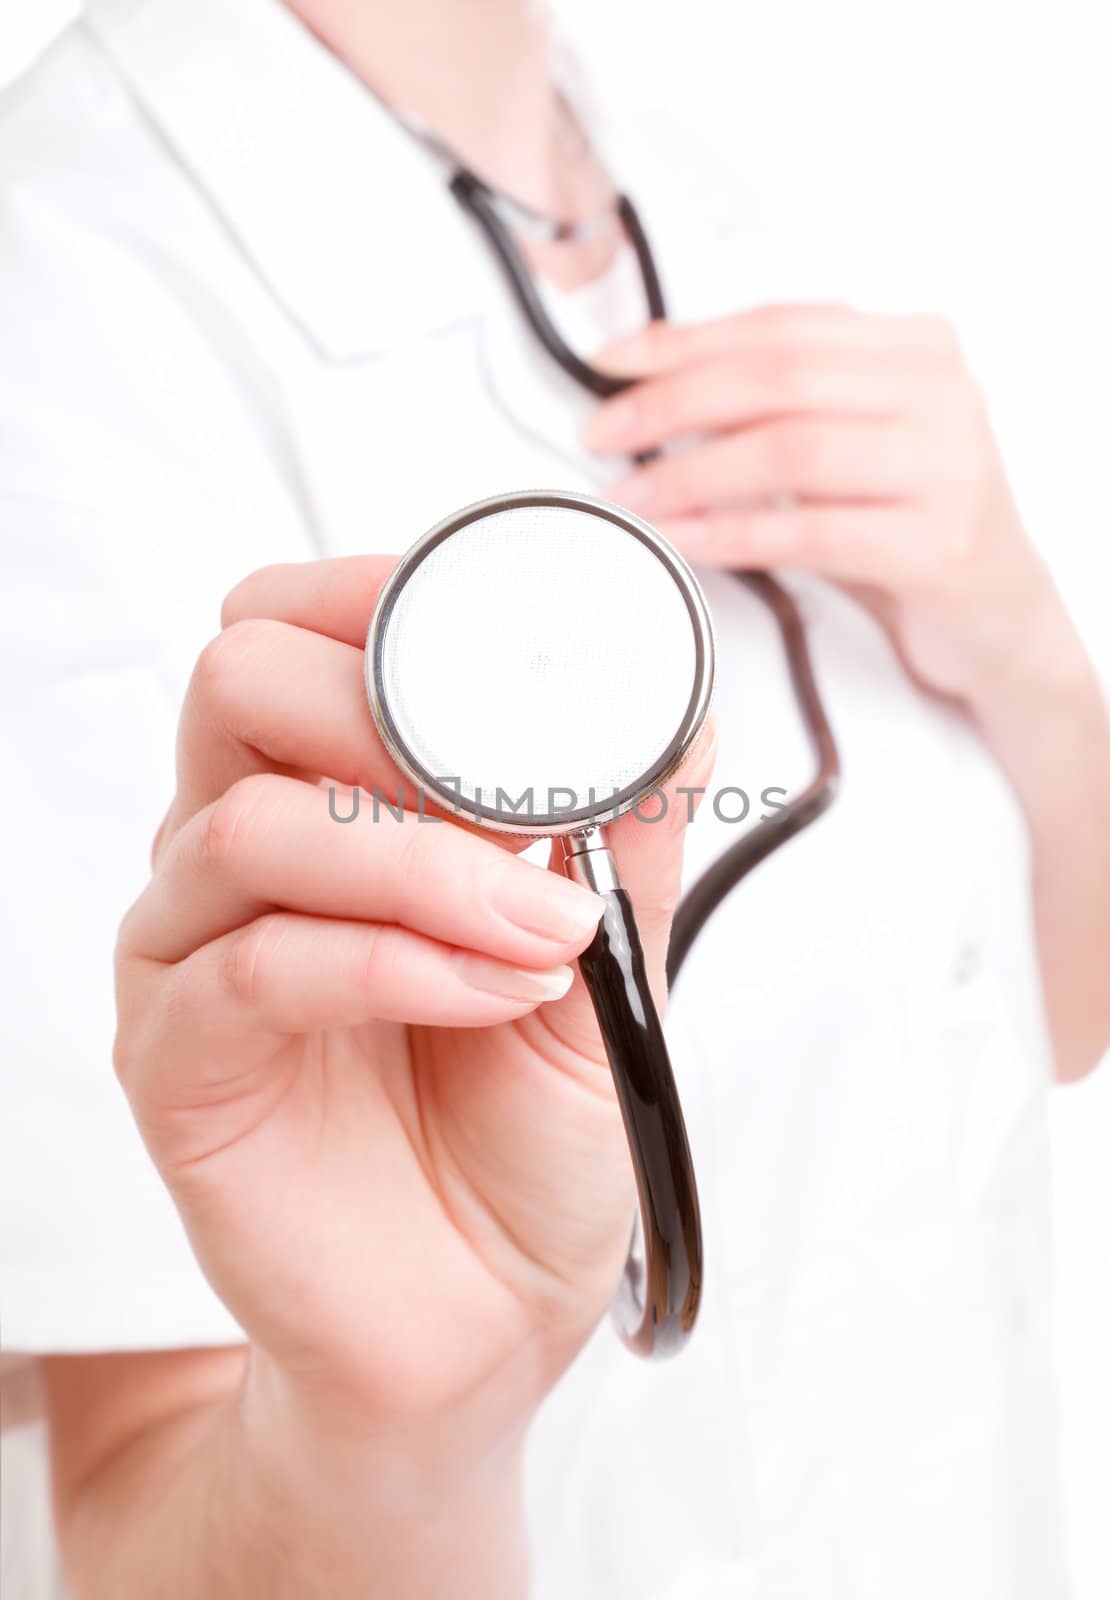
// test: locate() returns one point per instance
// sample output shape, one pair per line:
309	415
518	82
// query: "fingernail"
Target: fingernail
540	902
514	983
609	424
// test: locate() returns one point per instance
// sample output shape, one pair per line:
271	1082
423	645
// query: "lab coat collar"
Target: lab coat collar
347	219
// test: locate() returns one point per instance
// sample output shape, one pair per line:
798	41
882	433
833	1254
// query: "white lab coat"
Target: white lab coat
243	322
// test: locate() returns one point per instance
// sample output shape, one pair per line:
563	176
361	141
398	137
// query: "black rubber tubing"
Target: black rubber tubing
655	1315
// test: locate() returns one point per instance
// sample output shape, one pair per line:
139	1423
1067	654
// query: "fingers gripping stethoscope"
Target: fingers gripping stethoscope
535	579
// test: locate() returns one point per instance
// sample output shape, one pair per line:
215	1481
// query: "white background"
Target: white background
945	155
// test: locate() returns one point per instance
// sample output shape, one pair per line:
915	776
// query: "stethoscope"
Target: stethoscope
491	590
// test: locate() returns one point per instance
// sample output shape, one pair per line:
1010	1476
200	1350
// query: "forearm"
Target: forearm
1047	725
246	1496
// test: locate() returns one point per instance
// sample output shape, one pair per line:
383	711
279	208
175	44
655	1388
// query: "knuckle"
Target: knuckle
182	1002
824	536
941	336
977	411
140	988
379	957
124	1055
765	533
230	820
670	831
655	919
790	368
132	1051
221	662
792	451
214	662
126	946
411	852
963	454
652	407
685	393
944	333
966	476
668	900
658	335
238	602
676	479
959	548
248	958
414	848
792	347
161	839
774	320
815	449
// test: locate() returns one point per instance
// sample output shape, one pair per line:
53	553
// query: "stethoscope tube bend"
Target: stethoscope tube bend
657	1302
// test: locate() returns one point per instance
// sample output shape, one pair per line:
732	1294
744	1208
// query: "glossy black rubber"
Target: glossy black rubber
718	881
658	1301
475	197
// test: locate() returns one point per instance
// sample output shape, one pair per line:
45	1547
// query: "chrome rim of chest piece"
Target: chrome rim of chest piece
539	662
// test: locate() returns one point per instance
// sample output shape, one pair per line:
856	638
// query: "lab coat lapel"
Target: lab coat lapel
338	210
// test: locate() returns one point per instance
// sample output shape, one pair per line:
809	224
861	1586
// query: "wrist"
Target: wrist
1046	722
422	1499
1043	673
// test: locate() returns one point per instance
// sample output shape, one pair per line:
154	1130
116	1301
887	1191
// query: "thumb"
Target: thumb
648	846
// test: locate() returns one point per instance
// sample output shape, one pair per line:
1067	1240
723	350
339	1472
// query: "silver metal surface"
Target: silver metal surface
589	861
607	810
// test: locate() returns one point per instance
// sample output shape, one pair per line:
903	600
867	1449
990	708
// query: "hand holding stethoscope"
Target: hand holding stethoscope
355	1051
